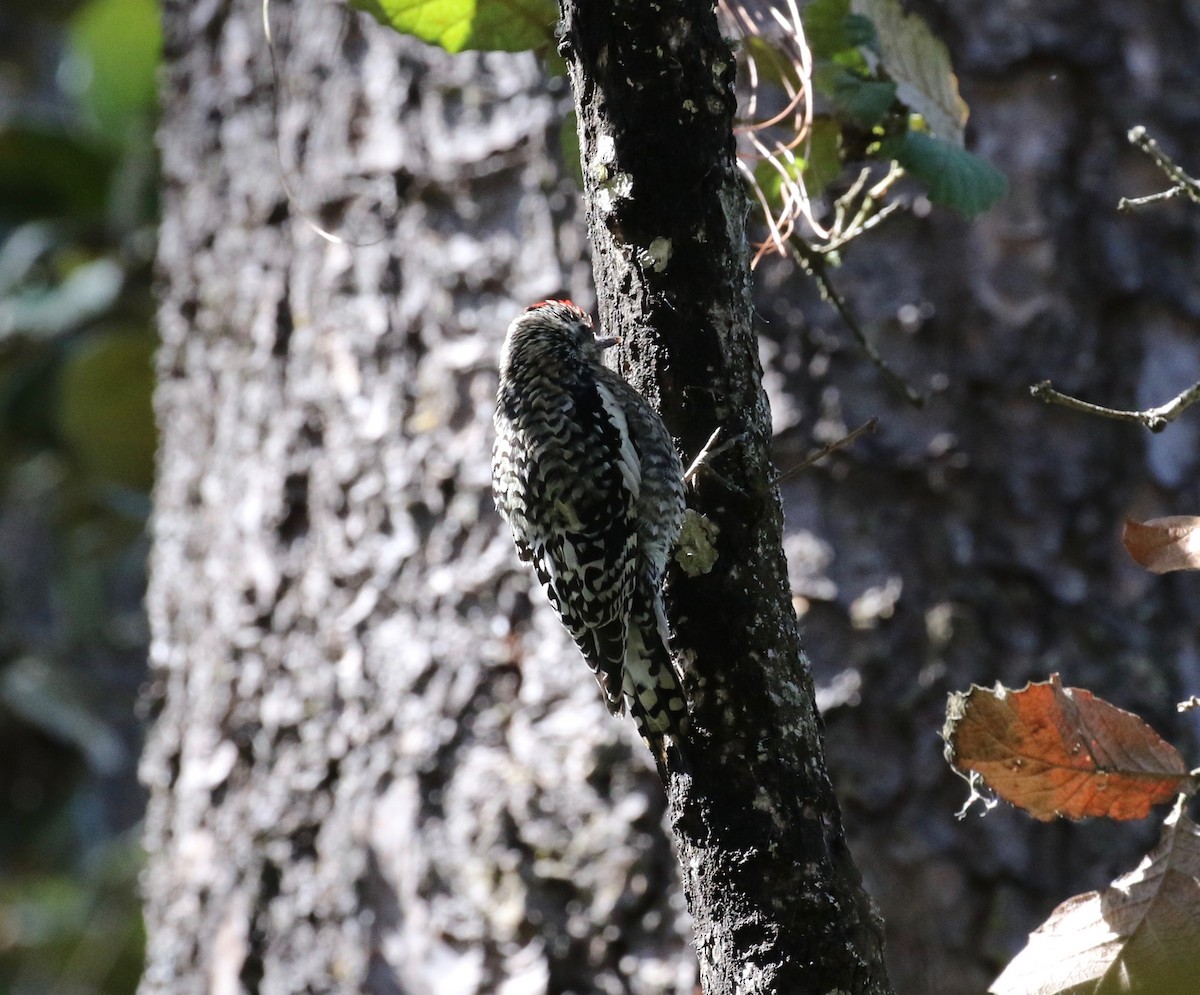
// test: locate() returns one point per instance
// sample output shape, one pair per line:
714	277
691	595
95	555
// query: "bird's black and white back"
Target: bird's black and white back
588	478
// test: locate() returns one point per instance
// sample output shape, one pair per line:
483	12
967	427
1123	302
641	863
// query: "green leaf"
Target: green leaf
117	44
920	65
825	27
861	32
105	413
953	176
835	35
46	172
458	25
824	162
863	101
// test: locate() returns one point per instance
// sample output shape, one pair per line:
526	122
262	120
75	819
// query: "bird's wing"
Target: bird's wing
585	551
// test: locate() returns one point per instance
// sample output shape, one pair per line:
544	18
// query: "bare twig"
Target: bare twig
867	426
1154	419
1184	185
868	213
1127	204
861	226
775	138
702	457
813	263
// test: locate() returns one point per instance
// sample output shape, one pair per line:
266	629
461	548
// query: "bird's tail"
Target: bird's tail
653	692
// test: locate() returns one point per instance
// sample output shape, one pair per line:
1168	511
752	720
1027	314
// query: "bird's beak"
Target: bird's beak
608	341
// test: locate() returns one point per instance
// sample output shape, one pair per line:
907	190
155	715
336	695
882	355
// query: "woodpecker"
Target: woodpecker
586	475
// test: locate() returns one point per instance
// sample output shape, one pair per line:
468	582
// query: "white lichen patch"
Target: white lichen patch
606	149
611	189
656	255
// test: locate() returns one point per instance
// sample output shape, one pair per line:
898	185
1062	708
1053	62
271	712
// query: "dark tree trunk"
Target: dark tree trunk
777	903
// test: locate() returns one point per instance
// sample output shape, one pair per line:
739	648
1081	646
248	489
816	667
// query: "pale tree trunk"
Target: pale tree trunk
374	766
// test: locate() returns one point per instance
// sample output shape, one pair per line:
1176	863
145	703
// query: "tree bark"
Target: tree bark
375	764
777	902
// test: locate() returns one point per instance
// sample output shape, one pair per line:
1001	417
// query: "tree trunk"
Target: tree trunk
777	902
373	765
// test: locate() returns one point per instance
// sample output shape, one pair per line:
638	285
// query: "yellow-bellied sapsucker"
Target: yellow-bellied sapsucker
586	474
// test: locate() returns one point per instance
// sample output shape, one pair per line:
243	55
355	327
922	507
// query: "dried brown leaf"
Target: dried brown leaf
1057	751
1141	934
1164	544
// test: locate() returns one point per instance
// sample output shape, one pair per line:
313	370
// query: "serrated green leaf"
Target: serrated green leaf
920	65
953	176
863	101
458	25
861	32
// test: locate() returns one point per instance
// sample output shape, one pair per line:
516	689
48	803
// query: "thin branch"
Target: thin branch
860	227
1154	419
1127	204
868	426
842	204
868	215
1184	185
773	139
703	456
813	263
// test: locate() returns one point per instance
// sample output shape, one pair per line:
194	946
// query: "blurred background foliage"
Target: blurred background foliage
78	175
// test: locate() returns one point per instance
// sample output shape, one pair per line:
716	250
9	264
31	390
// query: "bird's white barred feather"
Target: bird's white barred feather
587	476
